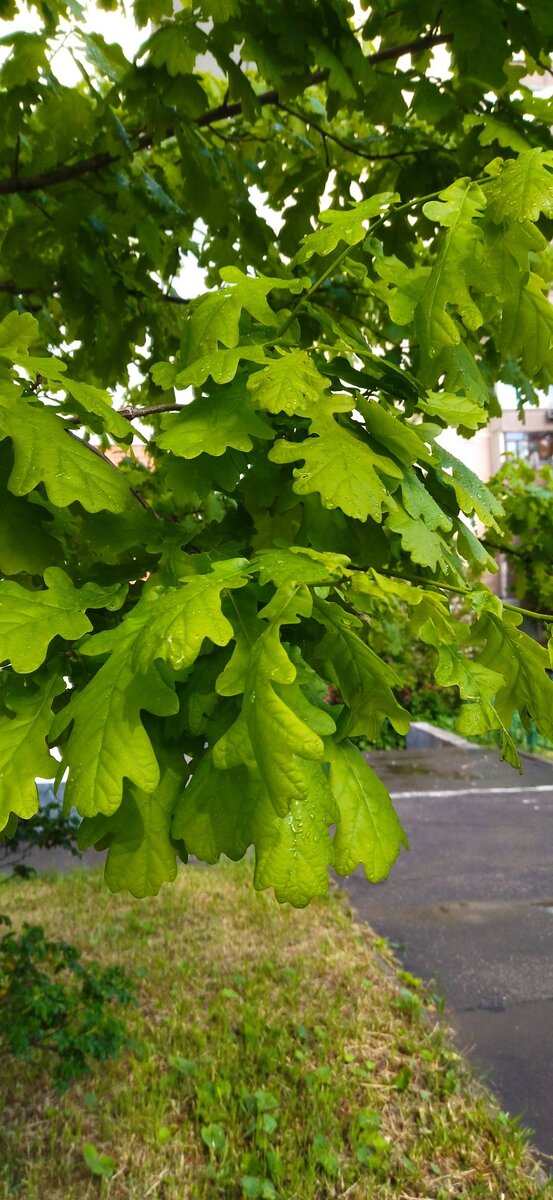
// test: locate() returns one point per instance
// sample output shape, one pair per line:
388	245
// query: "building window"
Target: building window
534	448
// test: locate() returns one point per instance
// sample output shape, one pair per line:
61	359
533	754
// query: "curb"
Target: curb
423	736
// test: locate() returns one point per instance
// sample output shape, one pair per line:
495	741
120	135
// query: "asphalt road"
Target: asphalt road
471	907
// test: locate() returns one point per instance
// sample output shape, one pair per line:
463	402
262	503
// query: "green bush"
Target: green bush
47	830
55	1009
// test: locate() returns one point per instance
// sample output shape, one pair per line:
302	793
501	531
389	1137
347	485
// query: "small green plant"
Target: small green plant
101	1165
51	1003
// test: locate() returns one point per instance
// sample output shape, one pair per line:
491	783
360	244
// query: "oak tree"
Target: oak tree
368	192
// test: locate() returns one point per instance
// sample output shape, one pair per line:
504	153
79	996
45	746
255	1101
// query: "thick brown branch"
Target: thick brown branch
37	183
97	162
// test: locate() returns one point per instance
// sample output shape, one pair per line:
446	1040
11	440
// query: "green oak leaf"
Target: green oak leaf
522	188
46	452
523	664
199	700
221	365
298	564
25	61
339	465
447	289
419	502
344	225
232	679
401	439
294	851
461	372
141	854
380	587
151	10
25	544
25	724
211	320
30	619
364	680
89	402
164	374
17	332
269	736
454	410
212	425
368	831
424	545
250	292
399	286
418	525
107	742
507	252
526	330
290	384
175	46
178	620
472	495
213	815
456	665
493	130
471	549
93	402
475	682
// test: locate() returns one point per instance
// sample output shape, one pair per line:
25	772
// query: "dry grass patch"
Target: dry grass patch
275	1053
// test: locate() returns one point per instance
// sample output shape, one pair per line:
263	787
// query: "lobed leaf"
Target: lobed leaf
25	724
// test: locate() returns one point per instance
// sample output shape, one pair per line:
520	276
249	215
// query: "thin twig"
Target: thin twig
160	296
142	501
506	550
460	590
333	137
93	449
129	413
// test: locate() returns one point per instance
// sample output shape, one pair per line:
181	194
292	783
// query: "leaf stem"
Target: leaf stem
464	591
314	288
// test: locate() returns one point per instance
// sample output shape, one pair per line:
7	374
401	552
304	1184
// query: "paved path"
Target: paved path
471	906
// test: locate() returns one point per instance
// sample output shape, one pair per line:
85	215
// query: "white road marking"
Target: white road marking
494	791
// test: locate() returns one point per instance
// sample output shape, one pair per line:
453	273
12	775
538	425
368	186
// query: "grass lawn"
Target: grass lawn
275	1053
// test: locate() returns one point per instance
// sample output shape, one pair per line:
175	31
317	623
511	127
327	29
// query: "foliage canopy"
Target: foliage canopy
171	625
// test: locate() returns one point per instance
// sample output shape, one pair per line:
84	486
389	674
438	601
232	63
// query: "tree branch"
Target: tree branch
160	296
12	289
129	413
93	449
348	146
67	172
506	549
